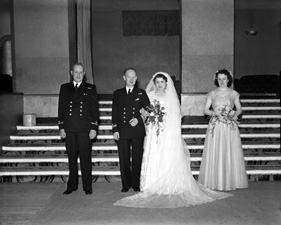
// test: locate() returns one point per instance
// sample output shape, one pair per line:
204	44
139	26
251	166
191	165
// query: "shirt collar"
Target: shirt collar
127	89
78	84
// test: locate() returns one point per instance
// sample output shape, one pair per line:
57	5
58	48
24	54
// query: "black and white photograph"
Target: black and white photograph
140	112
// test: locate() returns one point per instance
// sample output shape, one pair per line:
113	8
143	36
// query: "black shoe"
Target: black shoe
137	189
89	192
67	192
125	190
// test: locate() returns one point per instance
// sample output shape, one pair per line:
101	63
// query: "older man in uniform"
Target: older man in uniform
78	124
128	128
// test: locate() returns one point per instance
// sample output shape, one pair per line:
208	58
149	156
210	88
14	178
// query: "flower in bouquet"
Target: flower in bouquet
225	115
156	116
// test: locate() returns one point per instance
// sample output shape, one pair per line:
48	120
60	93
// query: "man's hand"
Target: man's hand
144	114
62	134
92	134
116	136
133	122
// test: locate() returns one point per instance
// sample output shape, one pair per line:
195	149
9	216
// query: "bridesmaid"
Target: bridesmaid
222	166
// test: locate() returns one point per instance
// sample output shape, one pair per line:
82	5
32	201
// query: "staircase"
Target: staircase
37	154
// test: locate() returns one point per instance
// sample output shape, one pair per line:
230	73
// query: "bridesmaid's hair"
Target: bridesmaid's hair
226	73
160	75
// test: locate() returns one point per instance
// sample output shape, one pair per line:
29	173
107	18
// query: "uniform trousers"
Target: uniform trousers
79	143
130	175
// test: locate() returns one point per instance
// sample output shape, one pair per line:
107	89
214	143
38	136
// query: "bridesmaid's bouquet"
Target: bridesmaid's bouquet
225	115
155	117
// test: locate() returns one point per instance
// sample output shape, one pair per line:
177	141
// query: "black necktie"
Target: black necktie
129	91
76	87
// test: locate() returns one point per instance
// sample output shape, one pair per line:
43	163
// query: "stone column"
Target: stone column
207	46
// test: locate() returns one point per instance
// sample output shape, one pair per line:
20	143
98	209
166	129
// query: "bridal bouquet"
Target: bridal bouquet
155	117
224	115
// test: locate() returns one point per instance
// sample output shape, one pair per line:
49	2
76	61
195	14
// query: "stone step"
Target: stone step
261	108
55	170
109	127
248	108
56	127
113	147
246	111
260	100
260	112
258	104
258	119
59	158
184	131
242	130
244	116
246	105
261	117
106	120
112	171
204	126
109	102
55	147
105	137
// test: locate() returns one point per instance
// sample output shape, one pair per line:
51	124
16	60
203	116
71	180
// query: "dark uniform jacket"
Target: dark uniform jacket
124	108
78	110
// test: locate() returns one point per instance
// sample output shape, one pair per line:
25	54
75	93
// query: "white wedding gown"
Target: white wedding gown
166	178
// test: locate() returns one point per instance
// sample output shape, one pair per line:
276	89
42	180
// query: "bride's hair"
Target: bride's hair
172	108
160	75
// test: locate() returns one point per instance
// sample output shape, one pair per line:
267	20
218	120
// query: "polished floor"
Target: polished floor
39	203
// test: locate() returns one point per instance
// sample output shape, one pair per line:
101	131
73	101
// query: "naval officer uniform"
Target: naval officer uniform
78	114
125	107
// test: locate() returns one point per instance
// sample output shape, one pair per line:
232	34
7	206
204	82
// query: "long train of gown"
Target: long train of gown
166	178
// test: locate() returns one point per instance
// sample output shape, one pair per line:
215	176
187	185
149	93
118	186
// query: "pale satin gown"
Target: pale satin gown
166	178
223	166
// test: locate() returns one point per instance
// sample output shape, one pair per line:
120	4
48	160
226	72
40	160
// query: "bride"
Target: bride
166	178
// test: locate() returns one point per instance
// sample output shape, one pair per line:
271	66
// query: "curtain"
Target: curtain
84	46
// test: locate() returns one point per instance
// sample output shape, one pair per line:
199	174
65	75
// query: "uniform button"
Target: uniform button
70	101
70	114
81	110
133	112
124	108
70	106
124	117
81	102
81	106
124	121
80	114
70	110
133	108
